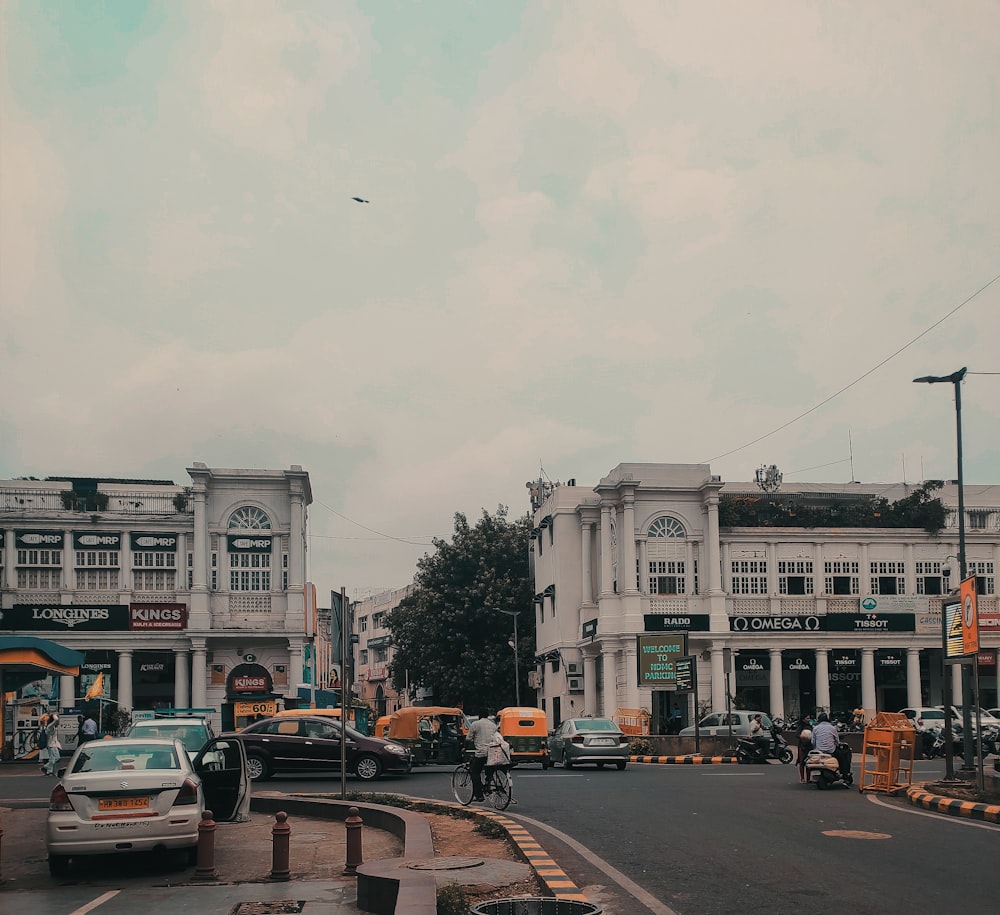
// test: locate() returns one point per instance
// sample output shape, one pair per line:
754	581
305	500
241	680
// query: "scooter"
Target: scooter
749	750
829	770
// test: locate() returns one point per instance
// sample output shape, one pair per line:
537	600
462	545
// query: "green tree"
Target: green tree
451	635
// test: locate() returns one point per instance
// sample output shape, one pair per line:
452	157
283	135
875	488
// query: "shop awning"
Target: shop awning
24	657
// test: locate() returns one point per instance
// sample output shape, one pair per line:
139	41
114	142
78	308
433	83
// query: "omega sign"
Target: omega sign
774	624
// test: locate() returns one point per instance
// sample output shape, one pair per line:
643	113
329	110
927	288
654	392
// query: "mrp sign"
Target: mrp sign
657	656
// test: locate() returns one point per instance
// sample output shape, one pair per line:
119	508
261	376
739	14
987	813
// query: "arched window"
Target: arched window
249	518
666	556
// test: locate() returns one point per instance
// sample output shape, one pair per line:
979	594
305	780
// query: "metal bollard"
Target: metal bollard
206	848
353	823
280	833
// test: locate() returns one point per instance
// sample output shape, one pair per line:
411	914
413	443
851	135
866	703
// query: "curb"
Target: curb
691	760
919	797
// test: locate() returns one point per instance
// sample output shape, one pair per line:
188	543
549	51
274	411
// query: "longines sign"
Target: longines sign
65	617
861	624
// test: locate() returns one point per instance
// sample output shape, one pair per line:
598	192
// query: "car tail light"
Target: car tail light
59	799
920	722
579	739
188	793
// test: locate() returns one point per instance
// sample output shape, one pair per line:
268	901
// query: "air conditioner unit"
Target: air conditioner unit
574	669
575	684
535	679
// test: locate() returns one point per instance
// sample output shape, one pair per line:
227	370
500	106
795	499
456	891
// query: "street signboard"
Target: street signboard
657	654
684	673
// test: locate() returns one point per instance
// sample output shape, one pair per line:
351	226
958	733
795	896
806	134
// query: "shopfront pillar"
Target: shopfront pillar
607	572
712	547
199	676
181	679
630	653
823	680
718	676
914	698
590	685
67	691
125	701
609	662
296	561
776	690
295	667
868	701
586	546
629	557
956	685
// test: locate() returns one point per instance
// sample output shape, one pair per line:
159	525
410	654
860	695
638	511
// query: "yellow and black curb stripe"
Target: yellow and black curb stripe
555	880
919	797
686	760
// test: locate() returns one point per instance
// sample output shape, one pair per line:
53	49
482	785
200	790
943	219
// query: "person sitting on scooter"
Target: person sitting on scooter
826	737
759	736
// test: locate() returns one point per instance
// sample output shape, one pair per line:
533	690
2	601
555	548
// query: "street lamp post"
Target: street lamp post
513	644
954	378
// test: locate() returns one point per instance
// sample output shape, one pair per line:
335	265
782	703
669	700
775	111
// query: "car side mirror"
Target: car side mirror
60	772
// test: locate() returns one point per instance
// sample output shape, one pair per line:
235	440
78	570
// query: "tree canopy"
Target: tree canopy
451	634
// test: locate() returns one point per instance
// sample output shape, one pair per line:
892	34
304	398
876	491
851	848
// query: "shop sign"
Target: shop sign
159	542
989	620
870	622
929	622
844	661
798	662
66	617
267	707
380	641
686	622
248	678
752	662
895	603
101	540
656	655
241	543
378	673
889	659
987	658
157	617
52	540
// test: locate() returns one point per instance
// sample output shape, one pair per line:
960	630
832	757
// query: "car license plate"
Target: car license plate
603	742
123	803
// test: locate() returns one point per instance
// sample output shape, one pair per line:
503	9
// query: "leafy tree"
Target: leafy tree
450	634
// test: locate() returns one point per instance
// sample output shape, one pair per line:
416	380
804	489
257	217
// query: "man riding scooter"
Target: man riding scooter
827	738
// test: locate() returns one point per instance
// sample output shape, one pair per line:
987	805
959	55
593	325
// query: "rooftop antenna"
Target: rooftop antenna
850	444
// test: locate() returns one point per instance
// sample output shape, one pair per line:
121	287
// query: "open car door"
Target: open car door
222	765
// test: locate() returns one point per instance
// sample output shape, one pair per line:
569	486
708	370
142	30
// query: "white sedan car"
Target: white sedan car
134	794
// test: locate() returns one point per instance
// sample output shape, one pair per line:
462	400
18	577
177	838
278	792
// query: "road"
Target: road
722	839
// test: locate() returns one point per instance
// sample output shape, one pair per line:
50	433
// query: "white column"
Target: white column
714	570
688	566
956	685
609	662
771	557
66	690
586	542
823	679
199	674
295	666
628	535
631	675
181	678
69	562
606	568
913	696
296	551
125	680
868	683
777	693
718	677
200	548
643	566
590	685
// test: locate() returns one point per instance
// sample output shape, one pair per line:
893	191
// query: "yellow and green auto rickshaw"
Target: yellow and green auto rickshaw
527	732
434	734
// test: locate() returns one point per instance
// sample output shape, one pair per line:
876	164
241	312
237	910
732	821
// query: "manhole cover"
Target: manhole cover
281	907
856	834
447	864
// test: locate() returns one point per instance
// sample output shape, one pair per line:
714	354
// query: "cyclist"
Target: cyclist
480	734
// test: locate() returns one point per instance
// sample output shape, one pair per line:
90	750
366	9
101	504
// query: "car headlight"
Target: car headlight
396	748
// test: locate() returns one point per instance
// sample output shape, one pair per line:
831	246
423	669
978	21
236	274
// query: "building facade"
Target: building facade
373	652
659	561
178	596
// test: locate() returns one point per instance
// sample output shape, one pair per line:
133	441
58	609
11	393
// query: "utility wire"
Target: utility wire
872	370
372	530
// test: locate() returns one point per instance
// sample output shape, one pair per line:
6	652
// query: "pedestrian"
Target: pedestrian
88	730
53	749
676	721
804	738
480	733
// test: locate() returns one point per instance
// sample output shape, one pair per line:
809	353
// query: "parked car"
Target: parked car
986	717
716	724
588	740
925	717
136	794
194	733
301	744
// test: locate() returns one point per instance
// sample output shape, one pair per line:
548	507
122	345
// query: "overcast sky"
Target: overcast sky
597	233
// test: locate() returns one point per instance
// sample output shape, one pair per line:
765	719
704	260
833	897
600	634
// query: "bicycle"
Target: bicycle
498	786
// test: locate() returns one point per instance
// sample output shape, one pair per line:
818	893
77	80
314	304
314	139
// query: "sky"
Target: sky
596	233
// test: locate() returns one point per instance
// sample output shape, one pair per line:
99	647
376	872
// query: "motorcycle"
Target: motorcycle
932	742
828	770
751	750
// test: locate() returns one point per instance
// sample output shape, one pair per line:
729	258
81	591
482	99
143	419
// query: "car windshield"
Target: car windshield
595	724
193	736
104	758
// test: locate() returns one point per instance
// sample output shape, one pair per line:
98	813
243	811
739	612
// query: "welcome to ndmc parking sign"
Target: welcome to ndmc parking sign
657	655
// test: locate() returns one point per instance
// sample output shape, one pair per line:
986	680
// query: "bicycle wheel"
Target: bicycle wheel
461	784
499	790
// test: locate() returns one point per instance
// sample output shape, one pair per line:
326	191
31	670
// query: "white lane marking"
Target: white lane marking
960	821
90	906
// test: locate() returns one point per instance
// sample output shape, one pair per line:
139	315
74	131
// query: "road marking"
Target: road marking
90	906
855	834
958	821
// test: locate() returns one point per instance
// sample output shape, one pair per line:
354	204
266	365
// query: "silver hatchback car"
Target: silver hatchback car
717	724
589	740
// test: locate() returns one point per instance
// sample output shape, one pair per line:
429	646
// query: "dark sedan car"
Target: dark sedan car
589	740
303	744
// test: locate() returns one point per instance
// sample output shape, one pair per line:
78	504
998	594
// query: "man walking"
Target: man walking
480	733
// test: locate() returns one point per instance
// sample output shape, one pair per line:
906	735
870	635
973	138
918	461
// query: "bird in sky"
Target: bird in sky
360	200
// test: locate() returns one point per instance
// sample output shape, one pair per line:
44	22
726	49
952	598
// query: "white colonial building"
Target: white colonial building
178	596
373	652
660	561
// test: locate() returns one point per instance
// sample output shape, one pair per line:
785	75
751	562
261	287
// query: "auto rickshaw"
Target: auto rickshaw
357	716
381	726
527	732
434	734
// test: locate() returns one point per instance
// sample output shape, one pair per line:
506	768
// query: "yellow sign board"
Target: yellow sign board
970	617
265	707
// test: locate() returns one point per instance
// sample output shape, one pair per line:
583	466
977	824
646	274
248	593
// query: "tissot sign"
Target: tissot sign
861	624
